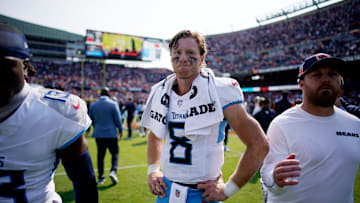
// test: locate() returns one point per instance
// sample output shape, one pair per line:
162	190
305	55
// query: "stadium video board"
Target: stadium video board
108	45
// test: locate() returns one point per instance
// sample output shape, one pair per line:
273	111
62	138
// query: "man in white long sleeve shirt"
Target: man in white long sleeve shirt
314	148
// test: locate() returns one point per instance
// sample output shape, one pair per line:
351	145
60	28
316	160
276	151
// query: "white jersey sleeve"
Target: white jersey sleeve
74	111
229	91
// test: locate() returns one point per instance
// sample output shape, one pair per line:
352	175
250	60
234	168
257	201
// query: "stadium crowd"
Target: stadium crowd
129	82
334	30
123	82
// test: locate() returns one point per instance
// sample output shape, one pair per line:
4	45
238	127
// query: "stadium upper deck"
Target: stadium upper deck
334	29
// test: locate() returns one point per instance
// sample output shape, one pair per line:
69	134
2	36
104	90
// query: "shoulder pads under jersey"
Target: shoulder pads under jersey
66	104
228	90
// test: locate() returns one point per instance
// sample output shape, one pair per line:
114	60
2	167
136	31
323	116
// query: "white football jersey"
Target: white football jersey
199	159
47	120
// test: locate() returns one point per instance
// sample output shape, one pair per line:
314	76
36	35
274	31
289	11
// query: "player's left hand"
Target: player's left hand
213	189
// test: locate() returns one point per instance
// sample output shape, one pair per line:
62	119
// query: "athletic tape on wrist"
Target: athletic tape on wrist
230	188
153	168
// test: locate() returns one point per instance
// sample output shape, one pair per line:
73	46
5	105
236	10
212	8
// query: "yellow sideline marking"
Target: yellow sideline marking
108	169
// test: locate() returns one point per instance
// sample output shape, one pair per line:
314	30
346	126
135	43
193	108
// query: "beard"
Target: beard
324	98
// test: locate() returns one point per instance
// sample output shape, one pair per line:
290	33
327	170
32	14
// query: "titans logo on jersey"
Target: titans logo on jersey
46	121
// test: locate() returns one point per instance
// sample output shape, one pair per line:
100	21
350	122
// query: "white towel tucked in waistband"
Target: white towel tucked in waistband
203	98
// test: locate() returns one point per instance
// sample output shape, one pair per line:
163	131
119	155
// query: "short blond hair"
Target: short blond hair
200	40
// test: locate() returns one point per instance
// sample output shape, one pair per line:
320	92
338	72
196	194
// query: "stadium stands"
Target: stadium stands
334	29
45	42
124	82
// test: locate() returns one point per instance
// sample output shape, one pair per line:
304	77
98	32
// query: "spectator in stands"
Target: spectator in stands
283	104
37	127
107	124
314	149
130	108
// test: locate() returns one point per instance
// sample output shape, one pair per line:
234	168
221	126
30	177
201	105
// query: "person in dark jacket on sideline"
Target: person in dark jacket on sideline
265	115
282	104
130	107
106	118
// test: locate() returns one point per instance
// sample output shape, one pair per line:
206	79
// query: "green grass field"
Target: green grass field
132	174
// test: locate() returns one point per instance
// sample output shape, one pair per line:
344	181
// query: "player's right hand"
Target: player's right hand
286	170
157	184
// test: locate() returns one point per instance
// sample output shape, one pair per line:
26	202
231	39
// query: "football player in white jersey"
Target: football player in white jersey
38	127
314	147
191	163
